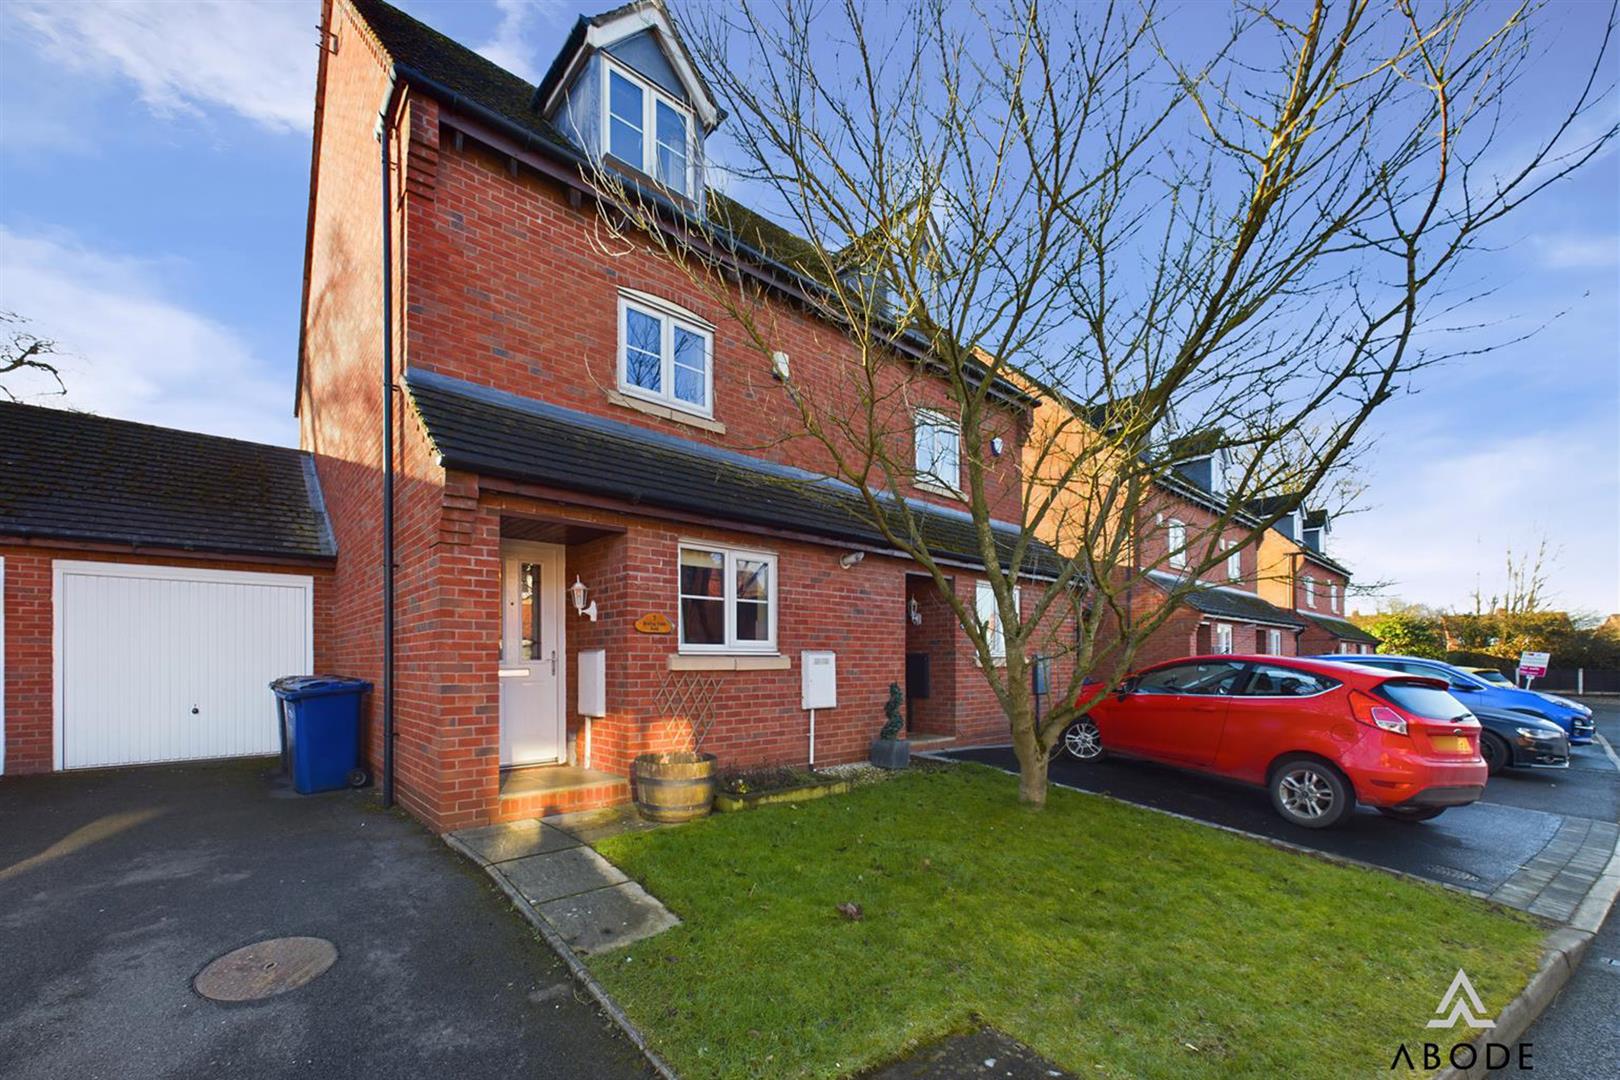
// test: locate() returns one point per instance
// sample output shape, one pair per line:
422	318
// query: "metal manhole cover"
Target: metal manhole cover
265	969
1452	872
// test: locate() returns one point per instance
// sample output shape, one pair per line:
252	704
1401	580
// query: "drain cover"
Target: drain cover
265	969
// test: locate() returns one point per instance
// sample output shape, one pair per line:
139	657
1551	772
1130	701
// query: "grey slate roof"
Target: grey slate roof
1343	629
1224	603
73	476
491	432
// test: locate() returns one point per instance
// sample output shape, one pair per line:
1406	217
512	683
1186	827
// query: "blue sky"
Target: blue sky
154	164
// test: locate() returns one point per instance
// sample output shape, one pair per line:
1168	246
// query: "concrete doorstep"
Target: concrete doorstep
579	902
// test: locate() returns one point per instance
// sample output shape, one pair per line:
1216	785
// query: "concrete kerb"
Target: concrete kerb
576	966
1565	947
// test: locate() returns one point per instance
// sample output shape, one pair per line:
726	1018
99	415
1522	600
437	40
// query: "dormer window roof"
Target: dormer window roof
624	89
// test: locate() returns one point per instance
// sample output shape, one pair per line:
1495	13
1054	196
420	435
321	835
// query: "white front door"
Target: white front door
532	655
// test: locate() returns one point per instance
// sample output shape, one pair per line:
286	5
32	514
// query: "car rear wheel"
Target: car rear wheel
1494	749
1412	813
1081	741
1310	793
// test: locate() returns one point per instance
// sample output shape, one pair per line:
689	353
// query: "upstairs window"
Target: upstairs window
1234	565
1333	597
939	450
665	354
1310	591
1175	540
648	130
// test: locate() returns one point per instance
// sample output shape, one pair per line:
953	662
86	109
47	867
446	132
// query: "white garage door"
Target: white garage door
160	663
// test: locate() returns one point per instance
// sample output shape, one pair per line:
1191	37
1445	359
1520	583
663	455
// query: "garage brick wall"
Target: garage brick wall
30	629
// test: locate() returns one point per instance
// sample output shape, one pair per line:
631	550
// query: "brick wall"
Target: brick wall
30	628
511	286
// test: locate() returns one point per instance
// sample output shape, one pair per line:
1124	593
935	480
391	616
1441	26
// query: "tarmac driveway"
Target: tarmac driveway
117	887
1477	847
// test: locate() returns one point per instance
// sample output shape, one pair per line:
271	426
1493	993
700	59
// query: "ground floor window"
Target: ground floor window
1274	642
984	604
727	599
1223	637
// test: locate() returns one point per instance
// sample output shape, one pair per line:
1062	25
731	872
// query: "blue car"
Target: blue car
1472	690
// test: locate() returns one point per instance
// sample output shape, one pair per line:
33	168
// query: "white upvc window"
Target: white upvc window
1310	591
1234	565
938	439
1175	541
727	599
666	354
1333	596
984	604
1274	642
647	129
1223	637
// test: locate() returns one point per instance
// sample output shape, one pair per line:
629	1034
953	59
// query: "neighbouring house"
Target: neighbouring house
152	583
602	538
1227	612
1297	573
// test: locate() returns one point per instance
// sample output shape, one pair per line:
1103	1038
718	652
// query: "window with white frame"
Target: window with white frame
666	354
1234	565
938	440
727	599
1175	542
984	604
647	129
1223	637
1310	591
1274	642
1333	596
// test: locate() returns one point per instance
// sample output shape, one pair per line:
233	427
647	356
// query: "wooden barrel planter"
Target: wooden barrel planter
674	787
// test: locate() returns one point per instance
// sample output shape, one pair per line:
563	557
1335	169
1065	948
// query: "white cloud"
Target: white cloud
1443	516
133	353
1568	251
513	45
254	57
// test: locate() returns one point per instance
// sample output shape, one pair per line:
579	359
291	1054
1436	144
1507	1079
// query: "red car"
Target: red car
1321	737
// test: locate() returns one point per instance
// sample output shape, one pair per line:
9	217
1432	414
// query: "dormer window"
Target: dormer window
647	129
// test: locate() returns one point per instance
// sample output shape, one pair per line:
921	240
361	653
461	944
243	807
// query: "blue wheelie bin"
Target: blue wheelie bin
320	730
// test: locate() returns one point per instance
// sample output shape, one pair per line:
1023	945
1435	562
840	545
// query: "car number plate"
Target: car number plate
1451	744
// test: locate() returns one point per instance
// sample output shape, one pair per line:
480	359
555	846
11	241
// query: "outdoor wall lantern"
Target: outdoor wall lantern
915	611
579	592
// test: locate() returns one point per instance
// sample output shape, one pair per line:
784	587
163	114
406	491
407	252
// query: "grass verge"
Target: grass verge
1114	941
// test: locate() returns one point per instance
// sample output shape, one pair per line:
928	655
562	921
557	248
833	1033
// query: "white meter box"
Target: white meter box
818	673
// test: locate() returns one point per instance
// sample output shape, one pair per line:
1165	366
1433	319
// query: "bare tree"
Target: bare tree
1238	256
24	352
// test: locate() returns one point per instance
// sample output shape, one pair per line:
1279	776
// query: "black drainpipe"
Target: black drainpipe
387	445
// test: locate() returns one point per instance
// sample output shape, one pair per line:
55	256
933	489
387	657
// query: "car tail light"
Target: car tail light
1367	710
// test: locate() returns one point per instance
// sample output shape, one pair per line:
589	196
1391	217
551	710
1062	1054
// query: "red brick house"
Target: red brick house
1297	573
600	533
1227	613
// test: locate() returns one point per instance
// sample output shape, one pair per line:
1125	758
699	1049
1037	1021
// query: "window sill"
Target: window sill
941	490
728	662
666	412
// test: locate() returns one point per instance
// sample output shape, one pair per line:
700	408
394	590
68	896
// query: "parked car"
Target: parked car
1492	676
1320	737
1476	693
1514	740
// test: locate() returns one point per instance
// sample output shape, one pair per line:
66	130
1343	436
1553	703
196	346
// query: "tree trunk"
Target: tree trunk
1032	760
1032	781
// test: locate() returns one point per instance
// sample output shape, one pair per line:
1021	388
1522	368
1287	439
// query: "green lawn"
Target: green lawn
1115	941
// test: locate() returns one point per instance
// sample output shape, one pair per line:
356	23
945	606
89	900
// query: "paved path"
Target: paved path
1579	1035
117	887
